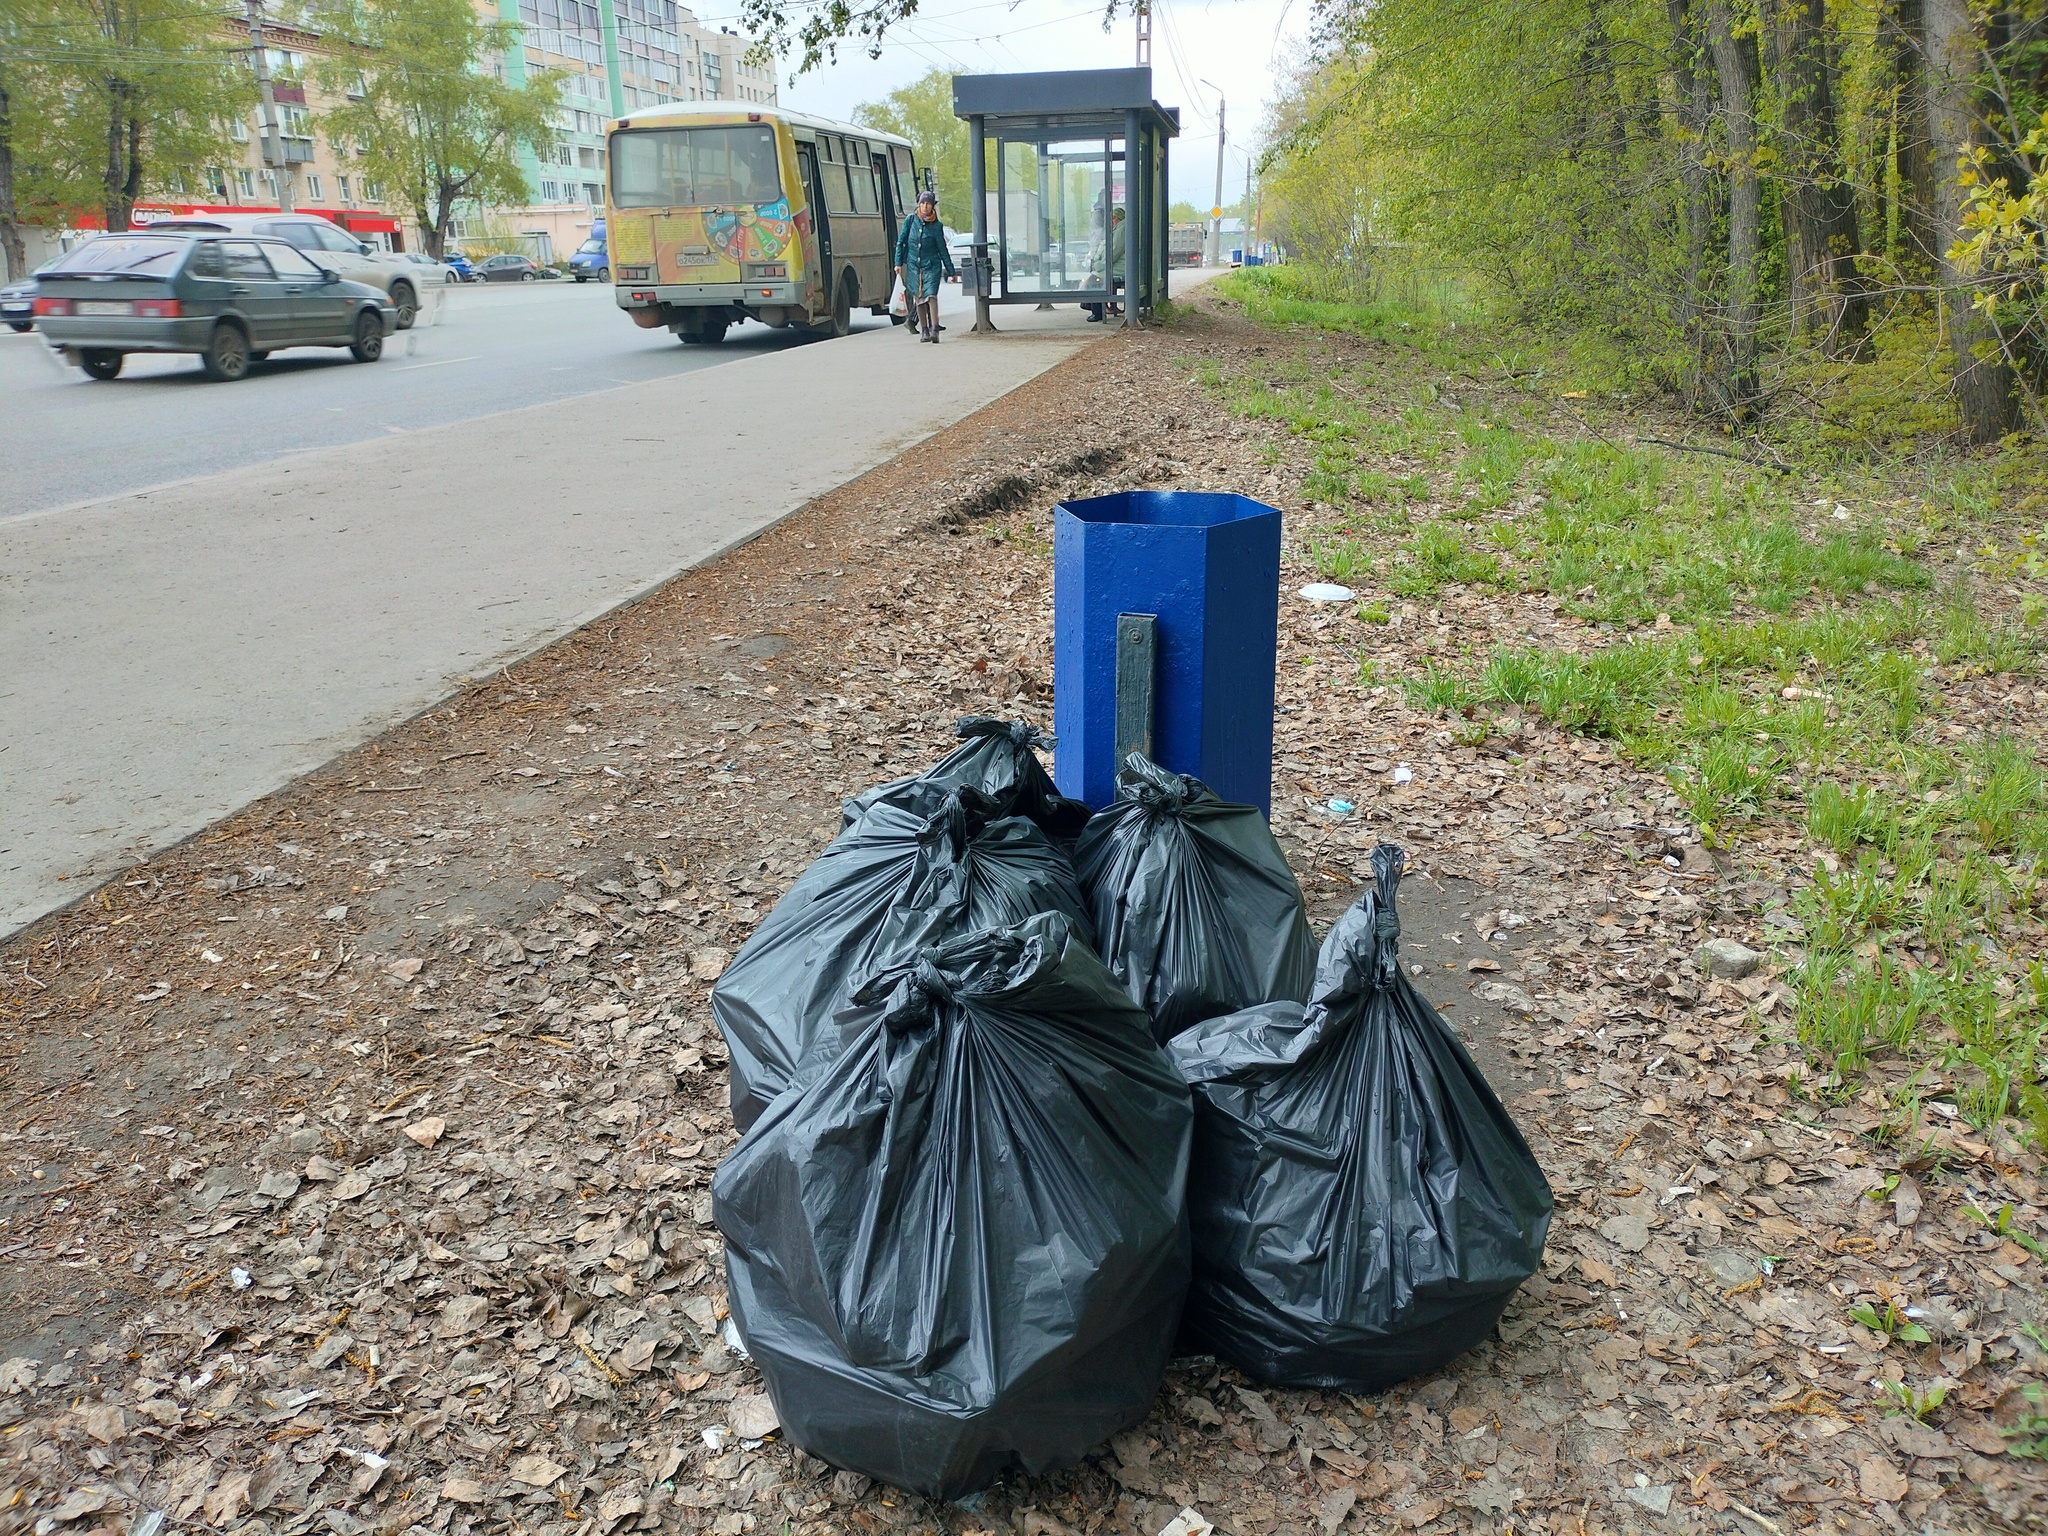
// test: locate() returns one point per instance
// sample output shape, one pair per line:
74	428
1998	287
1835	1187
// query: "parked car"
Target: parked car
18	305
591	261
961	246
507	268
231	299
437	271
464	269
327	244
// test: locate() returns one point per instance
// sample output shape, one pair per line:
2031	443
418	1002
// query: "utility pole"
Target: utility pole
1246	221
1141	13
1216	208
273	145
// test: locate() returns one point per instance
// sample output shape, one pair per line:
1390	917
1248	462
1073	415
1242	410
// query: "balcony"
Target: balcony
290	152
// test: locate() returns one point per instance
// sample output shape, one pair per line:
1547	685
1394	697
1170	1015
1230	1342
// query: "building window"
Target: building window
342	182
217	182
313	188
550	192
245	182
373	192
238	131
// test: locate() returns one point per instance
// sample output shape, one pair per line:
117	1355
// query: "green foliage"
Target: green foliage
108	101
922	112
1911	1401
1892	1323
433	128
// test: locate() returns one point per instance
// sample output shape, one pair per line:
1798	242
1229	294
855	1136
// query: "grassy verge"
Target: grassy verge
1801	652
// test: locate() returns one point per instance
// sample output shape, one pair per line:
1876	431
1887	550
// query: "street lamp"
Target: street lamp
1216	208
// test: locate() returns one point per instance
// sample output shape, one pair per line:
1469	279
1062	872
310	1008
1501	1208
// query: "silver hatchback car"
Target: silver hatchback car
232	301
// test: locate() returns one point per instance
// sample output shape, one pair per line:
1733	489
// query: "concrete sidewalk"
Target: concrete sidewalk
169	656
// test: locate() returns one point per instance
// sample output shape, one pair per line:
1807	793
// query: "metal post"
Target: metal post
1216	210
1133	183
273	149
1162	224
977	157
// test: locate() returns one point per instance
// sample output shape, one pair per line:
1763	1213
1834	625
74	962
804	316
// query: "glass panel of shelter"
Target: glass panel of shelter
1053	202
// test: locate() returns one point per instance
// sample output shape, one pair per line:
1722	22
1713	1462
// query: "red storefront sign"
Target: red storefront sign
355	221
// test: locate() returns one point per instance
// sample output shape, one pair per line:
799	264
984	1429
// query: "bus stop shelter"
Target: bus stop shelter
1073	149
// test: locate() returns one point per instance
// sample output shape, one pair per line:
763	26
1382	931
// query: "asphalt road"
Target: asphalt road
175	649
66	439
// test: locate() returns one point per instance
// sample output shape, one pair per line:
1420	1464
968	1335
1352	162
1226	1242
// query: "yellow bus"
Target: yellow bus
717	214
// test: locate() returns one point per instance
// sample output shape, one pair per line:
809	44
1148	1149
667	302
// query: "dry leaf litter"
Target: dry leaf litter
357	1167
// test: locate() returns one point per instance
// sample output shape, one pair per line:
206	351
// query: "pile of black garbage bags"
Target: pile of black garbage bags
1035	1100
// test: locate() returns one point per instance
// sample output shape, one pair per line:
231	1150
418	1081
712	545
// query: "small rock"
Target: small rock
403	970
708	964
427	1131
1730	1267
1656	1500
280	1184
1630	1232
1726	960
753	1417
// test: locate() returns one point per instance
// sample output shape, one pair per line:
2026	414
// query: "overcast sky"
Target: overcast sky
1240	45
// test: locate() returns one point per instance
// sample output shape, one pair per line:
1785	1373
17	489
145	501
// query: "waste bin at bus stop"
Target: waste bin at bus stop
1166	612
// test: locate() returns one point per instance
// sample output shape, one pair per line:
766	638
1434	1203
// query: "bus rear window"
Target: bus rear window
695	167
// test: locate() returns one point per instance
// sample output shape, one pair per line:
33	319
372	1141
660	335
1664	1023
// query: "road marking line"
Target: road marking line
437	363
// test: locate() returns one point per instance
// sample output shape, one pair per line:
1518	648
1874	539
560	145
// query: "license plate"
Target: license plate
105	307
696	259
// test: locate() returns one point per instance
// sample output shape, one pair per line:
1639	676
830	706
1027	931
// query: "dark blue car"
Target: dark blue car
463	267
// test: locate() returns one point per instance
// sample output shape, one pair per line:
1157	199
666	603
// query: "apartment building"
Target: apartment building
313	178
613	56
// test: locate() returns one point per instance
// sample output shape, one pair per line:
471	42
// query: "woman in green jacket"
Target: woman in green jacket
924	263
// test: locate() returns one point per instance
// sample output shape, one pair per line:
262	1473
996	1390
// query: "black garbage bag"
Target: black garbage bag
1195	908
961	1247
896	880
1361	1204
995	757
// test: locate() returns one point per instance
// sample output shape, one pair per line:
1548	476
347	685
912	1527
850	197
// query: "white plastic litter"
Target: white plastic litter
1187	1523
1403	773
1327	592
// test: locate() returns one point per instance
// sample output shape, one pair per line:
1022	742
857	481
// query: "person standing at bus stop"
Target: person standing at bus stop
924	264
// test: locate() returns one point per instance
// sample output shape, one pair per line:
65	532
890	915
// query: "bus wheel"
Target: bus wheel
845	295
713	332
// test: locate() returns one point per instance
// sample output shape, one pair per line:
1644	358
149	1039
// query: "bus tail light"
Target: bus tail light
635	274
762	271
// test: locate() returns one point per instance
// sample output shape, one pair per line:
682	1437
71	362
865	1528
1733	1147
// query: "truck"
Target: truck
1185	243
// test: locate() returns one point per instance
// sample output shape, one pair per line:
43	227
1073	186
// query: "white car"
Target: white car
327	244
436	271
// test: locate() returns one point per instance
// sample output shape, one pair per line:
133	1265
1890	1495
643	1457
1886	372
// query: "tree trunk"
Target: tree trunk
1740	76
1694	73
13	254
1830	296
1902	40
117	203
1983	377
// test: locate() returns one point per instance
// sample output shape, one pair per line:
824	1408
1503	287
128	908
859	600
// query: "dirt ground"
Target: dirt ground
357	1154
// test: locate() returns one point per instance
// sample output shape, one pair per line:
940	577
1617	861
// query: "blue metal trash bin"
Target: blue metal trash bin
1207	566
